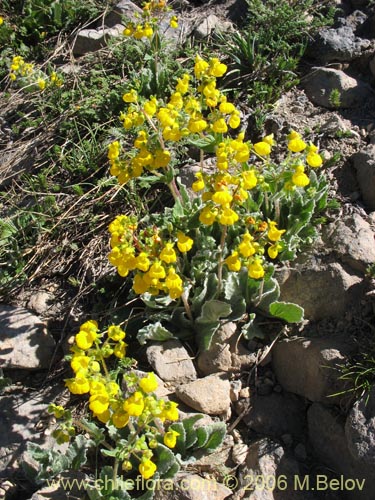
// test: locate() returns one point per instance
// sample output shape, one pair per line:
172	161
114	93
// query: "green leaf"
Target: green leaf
154	331
213	310
190	431
217	432
96	433
202	437
164	457
292	313
207	143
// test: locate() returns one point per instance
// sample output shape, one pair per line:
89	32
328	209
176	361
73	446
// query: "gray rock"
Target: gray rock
277	414
364	164
209	394
171	361
320	83
323	290
191	487
39	302
226	353
23	419
353	239
360	428
337	44
327	437
265	463
209	24
25	342
91	40
309	367
125	9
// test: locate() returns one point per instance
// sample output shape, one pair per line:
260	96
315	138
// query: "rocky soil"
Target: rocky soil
285	427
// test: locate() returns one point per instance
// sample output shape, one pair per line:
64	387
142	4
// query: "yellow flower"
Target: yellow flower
200	66
116	333
79	363
173	280
233	262
85	338
168	255
273	233
147	469
226	108
170	411
183	84
228	217
120	349
99	403
314	159
149	383
157	271
41	83
78	385
173	22
217	68
296	145
273	250
197	125
131	96
184	242
219	126
198	185
246	247
234	120
208	216
262	148
1	20
139	284
222	197
134	405
299	178
170	438
249	179
150	106
255	269
120	418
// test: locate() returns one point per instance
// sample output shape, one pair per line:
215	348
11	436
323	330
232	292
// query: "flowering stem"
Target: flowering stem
187	307
221	262
84	427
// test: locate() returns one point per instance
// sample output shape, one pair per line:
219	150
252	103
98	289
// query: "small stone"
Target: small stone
25	342
91	40
239	453
364	164
209	394
321	82
171	361
209	24
39	302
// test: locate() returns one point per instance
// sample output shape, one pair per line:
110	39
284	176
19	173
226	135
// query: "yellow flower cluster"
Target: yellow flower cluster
106	399
249	252
305	153
154	262
22	69
188	111
151	12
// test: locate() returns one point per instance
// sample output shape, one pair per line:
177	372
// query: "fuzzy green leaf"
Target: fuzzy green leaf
154	331
191	433
203	436
217	432
164	458
292	313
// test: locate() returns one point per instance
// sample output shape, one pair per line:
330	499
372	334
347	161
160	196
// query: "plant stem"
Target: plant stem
115	472
221	262
187	307
82	426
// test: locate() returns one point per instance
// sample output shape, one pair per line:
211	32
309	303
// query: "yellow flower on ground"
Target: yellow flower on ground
139	284
222	197
85	338
249	179
200	66
120	418
41	83
273	250
150	106
99	403
219	126
1	21
157	271
170	411
217	68
149	383
198	185
246	247
147	469
170	438
120	349
184	242
208	216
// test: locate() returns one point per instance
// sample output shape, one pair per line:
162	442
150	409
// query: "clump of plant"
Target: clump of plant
263	55
136	432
